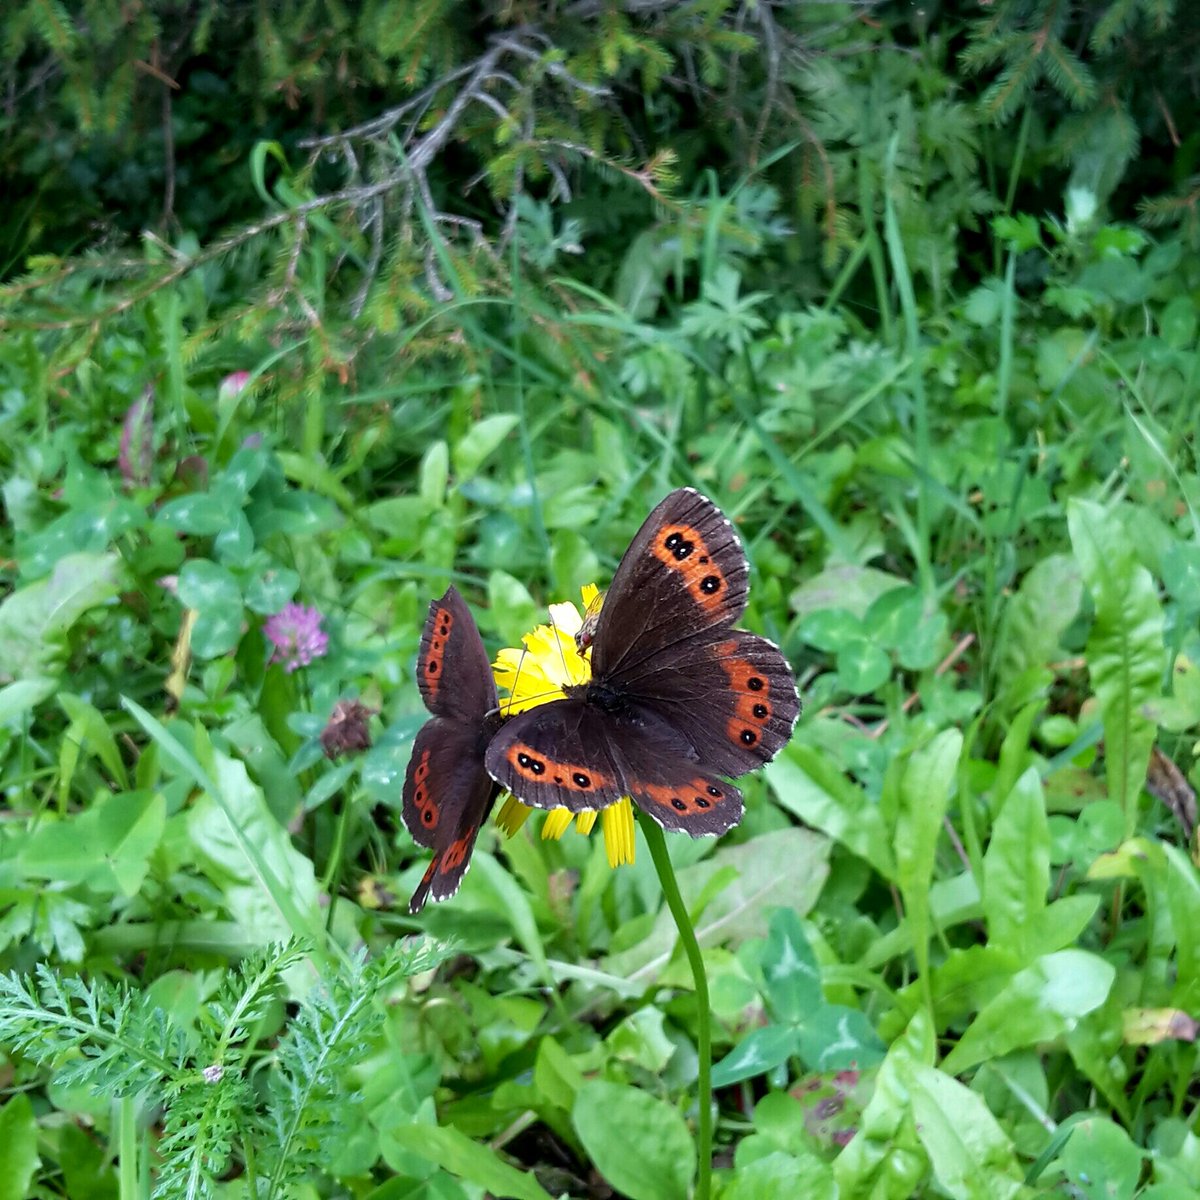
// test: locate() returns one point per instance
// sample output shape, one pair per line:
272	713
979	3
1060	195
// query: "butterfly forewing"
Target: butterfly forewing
453	671
684	573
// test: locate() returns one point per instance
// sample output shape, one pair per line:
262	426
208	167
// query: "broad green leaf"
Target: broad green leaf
836	1038
89	722
214	593
756	1054
279	897
204	514
1037	615
1125	651
807	784
23	696
1100	1161
640	1144
555	1074
107	847
885	1160
780	1174
862	667
1039	1004
1017	866
924	797
18	1147
271	589
641	1039
971	1156
434	474
789	967
480	441
34	618
787	867
460	1155
843	586
513	609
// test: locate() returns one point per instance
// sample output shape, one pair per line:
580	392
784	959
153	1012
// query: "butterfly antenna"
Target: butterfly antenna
506	703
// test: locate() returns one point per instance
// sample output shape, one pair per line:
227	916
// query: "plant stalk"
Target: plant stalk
691	947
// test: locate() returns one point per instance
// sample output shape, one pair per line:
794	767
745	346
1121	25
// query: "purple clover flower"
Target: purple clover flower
295	632
233	384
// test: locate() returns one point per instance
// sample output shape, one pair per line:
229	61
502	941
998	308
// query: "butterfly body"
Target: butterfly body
677	698
447	790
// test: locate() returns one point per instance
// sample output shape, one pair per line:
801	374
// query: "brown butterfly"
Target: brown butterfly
678	698
447	792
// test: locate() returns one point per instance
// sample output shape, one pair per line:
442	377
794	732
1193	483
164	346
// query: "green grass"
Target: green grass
951	949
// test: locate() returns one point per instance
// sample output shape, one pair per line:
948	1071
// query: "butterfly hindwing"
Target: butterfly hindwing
447	791
731	692
684	572
558	755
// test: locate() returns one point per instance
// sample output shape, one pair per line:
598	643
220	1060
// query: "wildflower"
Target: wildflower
233	385
550	661
214	1073
346	729
297	636
136	455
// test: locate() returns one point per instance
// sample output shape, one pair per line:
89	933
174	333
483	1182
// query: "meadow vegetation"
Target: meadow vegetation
333	305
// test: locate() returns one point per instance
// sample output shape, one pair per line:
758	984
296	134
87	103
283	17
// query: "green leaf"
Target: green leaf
862	667
34	617
453	1151
1017	866
789	967
481	440
434	474
204	514
1036	617
213	592
836	1038
780	1174
88	723
1125	648
924	797
24	696
640	1144
1100	1161
756	1054
18	1147
1039	1004
971	1156
808	784
271	589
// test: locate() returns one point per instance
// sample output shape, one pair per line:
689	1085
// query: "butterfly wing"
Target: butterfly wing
453	671
571	754
732	693
684	573
558	755
447	792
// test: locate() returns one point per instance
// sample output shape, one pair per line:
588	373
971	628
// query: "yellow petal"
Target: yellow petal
512	815
585	821
557	822
618	832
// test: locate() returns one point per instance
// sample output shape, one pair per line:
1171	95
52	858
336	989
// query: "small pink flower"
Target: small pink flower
233	384
297	636
136	456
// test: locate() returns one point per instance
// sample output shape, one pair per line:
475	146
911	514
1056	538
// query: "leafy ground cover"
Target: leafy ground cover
951	950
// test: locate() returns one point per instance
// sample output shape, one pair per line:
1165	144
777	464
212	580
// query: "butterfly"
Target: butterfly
678	699
447	792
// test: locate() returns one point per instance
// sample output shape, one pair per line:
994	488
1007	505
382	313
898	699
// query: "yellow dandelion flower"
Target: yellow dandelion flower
536	674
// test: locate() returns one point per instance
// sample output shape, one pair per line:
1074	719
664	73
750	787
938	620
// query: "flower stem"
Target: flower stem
687	935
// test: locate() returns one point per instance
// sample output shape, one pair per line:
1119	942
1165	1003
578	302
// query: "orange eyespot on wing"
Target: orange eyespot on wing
422	797
683	550
538	767
433	661
702	805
